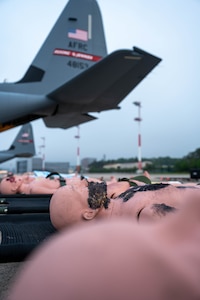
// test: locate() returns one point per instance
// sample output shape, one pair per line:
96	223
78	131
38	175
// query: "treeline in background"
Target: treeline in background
153	165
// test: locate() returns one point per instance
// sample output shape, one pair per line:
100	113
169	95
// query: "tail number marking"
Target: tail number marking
77	64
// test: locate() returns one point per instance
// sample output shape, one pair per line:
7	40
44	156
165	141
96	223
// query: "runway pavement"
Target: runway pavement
153	177
7	273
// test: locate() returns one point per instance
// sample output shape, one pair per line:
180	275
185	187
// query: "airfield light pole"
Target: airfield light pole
43	155
138	119
78	165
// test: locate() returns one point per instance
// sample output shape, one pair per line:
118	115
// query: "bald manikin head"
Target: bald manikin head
10	184
77	202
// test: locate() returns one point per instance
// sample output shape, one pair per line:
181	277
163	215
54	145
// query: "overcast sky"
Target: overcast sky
169	95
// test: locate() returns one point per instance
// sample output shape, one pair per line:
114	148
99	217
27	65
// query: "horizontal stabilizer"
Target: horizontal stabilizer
67	121
109	81
103	86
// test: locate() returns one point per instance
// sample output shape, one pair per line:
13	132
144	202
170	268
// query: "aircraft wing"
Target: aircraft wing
103	86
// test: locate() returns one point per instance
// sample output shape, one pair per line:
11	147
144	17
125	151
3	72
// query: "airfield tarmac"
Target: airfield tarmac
183	178
8	270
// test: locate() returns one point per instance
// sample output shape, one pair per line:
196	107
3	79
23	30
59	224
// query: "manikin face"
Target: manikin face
153	202
10	184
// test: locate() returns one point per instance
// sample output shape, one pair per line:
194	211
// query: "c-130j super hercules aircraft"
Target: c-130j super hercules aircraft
72	75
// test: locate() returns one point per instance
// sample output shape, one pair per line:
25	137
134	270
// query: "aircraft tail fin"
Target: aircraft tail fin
75	43
23	145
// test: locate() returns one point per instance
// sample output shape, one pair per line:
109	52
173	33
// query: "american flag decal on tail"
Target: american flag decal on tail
78	34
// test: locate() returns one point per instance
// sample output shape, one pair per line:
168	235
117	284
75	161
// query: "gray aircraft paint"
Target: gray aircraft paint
72	75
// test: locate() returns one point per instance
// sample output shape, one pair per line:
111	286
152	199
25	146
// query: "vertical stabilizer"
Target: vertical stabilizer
23	144
75	43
